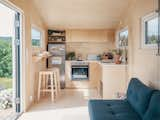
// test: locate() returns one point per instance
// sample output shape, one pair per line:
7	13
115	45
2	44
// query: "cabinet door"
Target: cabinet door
79	36
114	81
92	36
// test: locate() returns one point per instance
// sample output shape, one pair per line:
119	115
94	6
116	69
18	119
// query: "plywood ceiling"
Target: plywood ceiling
81	14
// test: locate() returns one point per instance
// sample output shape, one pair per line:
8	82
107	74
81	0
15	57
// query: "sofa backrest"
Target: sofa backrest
153	112
138	95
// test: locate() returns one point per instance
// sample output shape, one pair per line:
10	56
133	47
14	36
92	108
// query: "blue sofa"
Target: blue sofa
142	103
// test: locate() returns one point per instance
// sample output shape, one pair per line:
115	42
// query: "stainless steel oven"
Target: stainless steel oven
80	70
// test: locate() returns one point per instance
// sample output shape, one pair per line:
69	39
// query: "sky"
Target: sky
153	26
35	34
6	21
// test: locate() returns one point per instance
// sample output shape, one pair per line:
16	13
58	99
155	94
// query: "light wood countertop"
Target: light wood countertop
99	62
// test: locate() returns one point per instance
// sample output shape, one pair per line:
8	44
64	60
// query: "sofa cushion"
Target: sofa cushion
153	112
111	110
138	95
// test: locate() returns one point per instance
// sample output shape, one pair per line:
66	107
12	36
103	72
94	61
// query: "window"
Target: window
36	37
150	30
122	39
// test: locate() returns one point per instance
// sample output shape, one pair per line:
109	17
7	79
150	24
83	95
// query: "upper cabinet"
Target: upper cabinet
90	35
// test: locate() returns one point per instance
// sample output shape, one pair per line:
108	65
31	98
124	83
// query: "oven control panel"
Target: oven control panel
79	63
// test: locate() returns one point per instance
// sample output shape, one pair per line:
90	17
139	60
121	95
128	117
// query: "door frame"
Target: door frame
10	5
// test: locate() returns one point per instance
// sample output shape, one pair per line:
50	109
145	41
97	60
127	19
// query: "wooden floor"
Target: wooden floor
72	105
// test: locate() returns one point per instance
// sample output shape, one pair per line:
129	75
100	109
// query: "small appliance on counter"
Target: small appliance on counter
79	57
92	57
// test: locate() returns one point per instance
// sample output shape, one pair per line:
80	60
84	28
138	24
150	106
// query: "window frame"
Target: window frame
22	52
145	19
118	37
41	36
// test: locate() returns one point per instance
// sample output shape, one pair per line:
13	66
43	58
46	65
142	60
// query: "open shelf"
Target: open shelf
56	36
56	42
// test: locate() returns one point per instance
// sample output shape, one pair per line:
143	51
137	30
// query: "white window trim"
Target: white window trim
11	6
143	29
117	37
42	37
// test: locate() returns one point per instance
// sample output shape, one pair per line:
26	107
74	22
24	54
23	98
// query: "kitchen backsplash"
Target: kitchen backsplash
86	48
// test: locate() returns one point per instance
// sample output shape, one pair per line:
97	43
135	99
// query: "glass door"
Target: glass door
9	62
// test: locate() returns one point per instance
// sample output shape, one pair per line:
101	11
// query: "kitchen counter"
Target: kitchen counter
108	78
96	73
114	80
113	64
83	61
99	62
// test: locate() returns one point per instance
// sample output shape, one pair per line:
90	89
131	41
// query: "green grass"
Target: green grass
6	82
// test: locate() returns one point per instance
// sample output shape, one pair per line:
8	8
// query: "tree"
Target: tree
6	58
153	39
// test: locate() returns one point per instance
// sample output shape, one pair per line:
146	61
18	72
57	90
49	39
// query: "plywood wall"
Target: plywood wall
90	41
143	63
31	17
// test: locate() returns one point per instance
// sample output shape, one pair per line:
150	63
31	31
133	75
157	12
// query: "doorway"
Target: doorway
10	57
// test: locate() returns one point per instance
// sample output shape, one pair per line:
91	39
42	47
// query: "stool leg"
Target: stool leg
55	83
47	81
45	85
44	82
39	86
52	88
58	81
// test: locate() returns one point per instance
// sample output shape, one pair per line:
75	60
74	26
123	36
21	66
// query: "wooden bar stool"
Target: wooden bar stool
47	83
57	78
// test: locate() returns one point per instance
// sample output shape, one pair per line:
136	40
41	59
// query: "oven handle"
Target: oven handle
79	67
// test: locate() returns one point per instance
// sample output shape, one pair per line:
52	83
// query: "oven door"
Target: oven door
80	72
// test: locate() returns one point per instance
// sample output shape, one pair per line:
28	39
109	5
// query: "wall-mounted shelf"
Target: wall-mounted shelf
41	56
61	42
36	58
56	36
